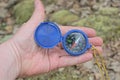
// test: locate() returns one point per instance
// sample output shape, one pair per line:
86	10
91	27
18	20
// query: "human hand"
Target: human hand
32	59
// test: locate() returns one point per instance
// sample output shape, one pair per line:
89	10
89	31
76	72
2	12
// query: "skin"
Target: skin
21	57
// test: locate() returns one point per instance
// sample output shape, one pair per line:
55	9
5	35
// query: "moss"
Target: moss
64	75
107	27
46	2
64	17
108	11
23	11
5	38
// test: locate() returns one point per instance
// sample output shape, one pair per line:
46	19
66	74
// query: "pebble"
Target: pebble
117	76
2	32
115	66
97	76
112	75
60	2
83	2
115	0
3	4
95	7
51	8
61	69
70	4
9	29
88	64
119	53
3	12
11	2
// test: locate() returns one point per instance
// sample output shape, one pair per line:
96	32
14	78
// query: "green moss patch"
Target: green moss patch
23	11
64	17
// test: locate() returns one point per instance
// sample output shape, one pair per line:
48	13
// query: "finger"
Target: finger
64	53
89	31
73	60
38	14
97	41
60	52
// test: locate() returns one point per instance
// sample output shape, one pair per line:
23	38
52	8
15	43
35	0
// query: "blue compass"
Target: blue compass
48	35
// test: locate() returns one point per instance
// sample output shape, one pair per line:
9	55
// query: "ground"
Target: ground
102	15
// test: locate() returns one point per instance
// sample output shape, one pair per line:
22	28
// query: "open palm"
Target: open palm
35	60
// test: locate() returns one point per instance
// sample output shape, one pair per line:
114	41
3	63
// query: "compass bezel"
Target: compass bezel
86	40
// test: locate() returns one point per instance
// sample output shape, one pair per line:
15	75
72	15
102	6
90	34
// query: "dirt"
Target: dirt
84	10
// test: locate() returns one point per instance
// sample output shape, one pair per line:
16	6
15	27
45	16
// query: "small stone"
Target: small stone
3	12
117	57
97	76
61	69
9	29
88	64
83	2
1	20
50	8
119	14
60	2
112	76
9	21
2	32
85	12
74	76
115	66
77	72
107	3
95	7
70	4
3	4
76	7
117	76
116	4
115	0
119	53
91	78
11	2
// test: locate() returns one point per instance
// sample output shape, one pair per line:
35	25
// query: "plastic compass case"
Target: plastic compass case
48	35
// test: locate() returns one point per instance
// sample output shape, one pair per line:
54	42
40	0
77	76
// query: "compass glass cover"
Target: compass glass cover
75	42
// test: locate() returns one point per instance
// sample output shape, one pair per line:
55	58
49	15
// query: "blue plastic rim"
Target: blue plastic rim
47	35
88	45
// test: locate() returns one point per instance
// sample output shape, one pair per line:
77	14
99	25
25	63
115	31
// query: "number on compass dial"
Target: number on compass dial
75	42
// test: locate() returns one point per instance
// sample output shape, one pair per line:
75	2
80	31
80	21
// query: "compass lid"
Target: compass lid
47	35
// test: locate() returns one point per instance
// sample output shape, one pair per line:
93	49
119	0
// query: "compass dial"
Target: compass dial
75	42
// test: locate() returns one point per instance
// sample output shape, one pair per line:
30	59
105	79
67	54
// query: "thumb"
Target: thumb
38	14
37	17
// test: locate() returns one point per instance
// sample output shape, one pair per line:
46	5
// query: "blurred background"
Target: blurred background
102	15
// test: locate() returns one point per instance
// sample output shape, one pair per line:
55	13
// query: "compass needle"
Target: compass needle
75	43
